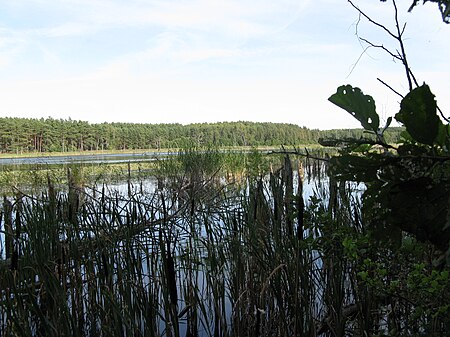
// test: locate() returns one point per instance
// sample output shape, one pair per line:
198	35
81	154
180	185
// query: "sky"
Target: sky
196	61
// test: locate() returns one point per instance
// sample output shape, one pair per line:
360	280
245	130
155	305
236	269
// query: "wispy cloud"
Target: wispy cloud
227	16
187	31
64	30
11	45
201	60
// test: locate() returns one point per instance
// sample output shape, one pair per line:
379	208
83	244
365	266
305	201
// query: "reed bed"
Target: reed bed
202	252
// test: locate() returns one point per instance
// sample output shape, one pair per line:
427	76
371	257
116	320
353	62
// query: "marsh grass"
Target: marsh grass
211	250
197	257
31	178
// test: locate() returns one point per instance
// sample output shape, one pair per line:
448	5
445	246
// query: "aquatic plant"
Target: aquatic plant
202	256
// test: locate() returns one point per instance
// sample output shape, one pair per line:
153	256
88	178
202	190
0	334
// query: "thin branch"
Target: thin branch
401	55
398	37
442	115
357	61
414	78
335	142
357	24
387	85
371	21
403	29
382	47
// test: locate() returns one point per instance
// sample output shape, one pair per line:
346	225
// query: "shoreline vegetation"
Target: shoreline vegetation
200	255
149	151
21	136
32	174
230	243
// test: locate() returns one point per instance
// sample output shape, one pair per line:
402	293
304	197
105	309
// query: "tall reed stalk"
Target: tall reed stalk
195	255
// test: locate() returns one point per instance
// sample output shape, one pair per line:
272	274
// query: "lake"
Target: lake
80	159
192	253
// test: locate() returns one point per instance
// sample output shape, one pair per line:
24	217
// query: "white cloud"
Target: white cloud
229	16
205	54
11	46
188	31
65	30
201	60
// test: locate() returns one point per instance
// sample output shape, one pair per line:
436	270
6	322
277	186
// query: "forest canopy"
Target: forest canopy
21	135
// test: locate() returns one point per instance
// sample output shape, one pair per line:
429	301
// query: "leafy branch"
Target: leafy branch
408	186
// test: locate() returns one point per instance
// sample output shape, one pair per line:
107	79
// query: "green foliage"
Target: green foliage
418	114
353	167
200	160
21	135
360	106
407	186
256	164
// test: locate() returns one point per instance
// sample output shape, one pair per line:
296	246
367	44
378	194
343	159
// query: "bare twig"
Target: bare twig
372	21
357	61
398	56
387	85
399	38
333	142
442	115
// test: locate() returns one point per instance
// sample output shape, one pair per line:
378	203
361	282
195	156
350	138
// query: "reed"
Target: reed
198	254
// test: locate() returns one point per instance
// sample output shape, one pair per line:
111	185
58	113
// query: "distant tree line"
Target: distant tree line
20	135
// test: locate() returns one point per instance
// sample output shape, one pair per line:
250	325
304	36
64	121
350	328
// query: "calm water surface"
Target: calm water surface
91	159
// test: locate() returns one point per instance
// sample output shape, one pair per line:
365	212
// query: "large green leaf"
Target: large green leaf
418	114
360	106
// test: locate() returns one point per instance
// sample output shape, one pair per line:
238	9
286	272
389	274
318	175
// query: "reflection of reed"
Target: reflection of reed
197	256
79	254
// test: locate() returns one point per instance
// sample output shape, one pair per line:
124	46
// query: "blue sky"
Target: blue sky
188	61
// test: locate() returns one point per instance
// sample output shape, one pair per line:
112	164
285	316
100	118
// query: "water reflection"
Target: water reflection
221	245
80	159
